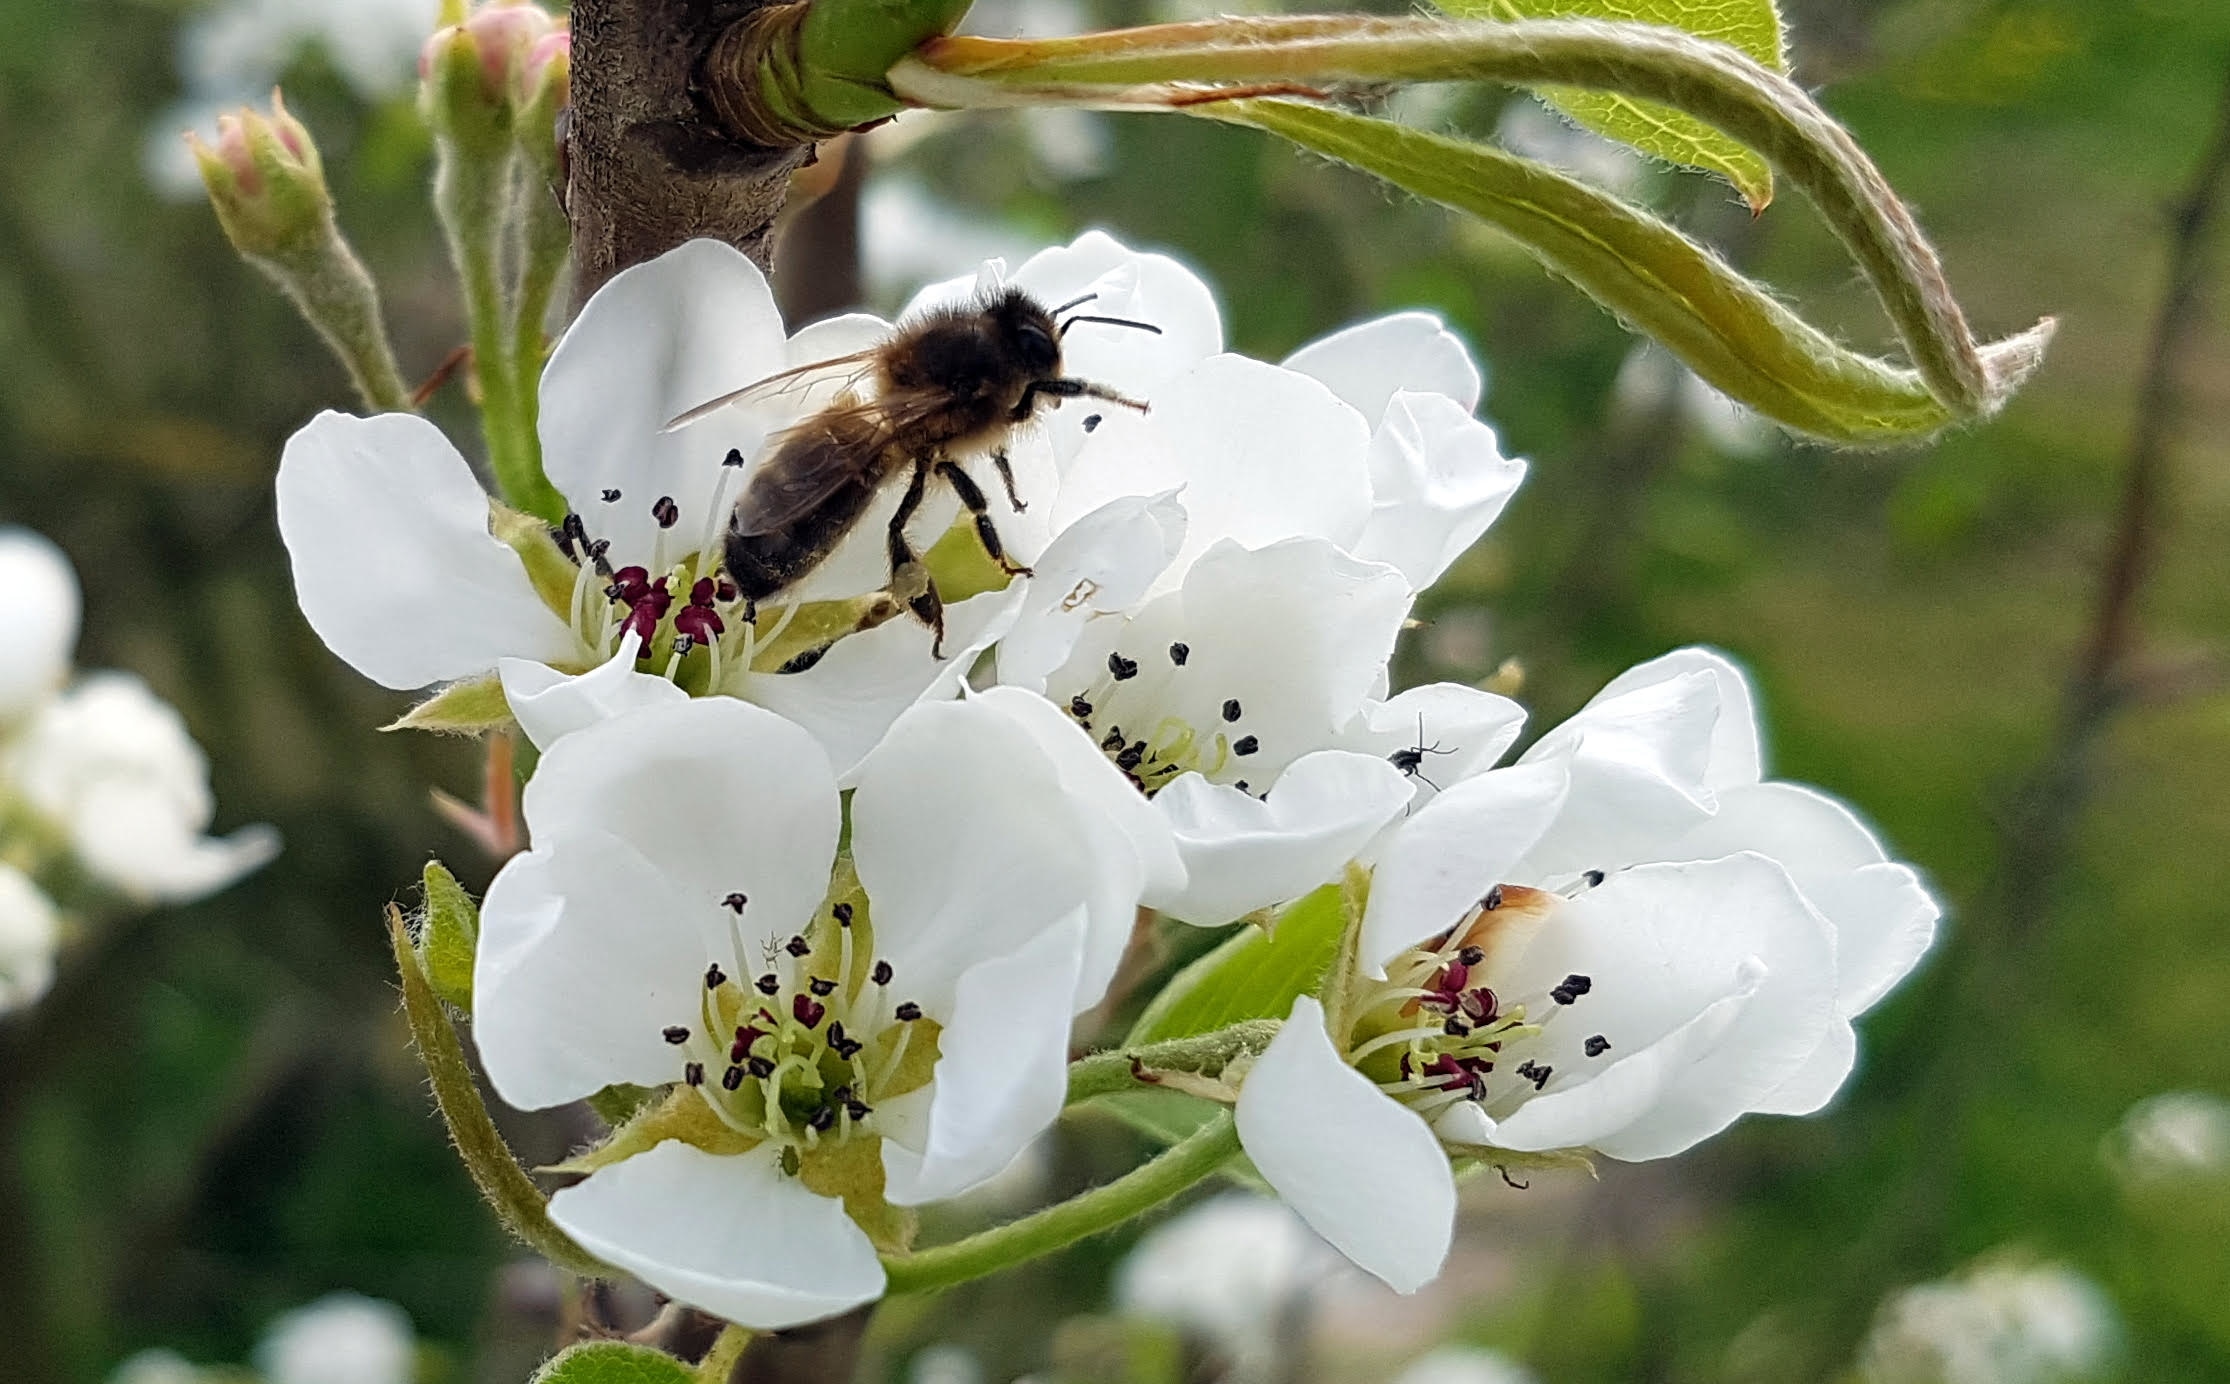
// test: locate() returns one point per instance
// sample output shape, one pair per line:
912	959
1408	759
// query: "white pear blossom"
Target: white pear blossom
101	767
29	934
342	1338
1623	942
1465	1365
2001	1322
1232	1270
676	920
2176	1136
156	1367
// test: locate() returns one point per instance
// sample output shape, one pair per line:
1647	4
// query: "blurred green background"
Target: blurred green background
215	1117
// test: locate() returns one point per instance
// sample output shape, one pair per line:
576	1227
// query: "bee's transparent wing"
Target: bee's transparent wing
797	377
838	446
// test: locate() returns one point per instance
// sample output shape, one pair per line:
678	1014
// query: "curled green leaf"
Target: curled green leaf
614	1362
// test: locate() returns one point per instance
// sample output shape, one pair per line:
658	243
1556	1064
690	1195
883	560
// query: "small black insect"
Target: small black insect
1411	760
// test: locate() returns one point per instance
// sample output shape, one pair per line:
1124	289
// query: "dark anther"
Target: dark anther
761	1067
1231	710
574	529
1124	669
1079	708
1598	1045
1246	744
1092	421
1481	1006
821	986
858	1109
805	660
734	458
769	984
1129	758
1179	652
738	1050
1472	956
838	1095
822	1120
843	914
1113	741
1492	901
1241	785
1456	1028
807	1010
735	902
1593	878
677	1034
713	978
1534	1072
683	643
726	590
611	497
1572	988
694	1073
845	1044
908	1012
666	512
798	946
731	1078
1509	1181
882	973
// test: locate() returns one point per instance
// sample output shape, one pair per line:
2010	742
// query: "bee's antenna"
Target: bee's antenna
1110	321
1074	303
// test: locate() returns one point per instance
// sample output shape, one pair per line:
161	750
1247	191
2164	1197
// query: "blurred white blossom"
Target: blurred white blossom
1652	383
945	1364
1465	1365
29	934
1532	129
2001	1322
1235	1270
908	234
343	1338
156	1367
2174	1136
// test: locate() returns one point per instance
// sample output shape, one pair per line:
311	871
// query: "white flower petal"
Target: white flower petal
1002	1069
549	704
1735	756
1458	732
1438	480
719	795
1444	859
394	566
730	1235
656	341
1639	764
1263	454
39	610
849	698
1098	566
969	848
1662	943
29	934
586	955
1242	853
1361	1168
130	834
1368	363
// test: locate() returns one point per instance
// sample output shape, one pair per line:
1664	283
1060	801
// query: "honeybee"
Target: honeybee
955	383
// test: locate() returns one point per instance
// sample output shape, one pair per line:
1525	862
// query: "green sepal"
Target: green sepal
682	1115
553	574
852	1172
1256	974
448	935
1752	27
474	706
614	1362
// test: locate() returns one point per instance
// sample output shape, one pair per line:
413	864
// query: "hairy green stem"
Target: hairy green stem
335	293
1127	1069
518	1203
1057	1227
727	1348
1718	84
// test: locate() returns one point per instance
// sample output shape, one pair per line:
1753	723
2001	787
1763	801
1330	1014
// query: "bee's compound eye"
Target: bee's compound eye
1039	353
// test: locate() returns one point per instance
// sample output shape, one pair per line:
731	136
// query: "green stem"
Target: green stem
1711	81
1104	1073
336	294
727	1348
546	243
517	1201
1103	1208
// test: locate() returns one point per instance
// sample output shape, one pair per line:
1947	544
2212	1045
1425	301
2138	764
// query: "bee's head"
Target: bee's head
1028	331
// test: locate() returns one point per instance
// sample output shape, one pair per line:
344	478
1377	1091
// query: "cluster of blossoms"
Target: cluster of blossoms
342	1338
103	794
840	899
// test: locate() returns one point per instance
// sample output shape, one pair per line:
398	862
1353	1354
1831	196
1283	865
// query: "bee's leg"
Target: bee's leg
1006	474
927	605
971	495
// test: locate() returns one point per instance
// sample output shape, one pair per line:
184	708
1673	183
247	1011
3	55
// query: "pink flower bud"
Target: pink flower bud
264	178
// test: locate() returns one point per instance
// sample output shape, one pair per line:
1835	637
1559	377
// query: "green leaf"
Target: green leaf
448	936
471	707
1725	328
614	1362
1257	974
1752	26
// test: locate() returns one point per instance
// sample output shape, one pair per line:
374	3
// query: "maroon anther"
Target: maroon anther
807	1010
1480	1006
629	585
698	620
649	609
